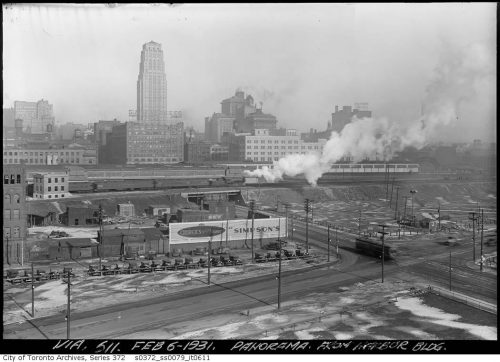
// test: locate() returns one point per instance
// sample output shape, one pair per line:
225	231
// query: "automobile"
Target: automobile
203	263
145	268
216	262
450	241
289	254
42	275
155	266
259	258
54	275
131	268
93	271
235	260
190	264
58	234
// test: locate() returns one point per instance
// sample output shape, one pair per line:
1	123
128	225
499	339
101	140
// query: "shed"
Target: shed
72	248
158	210
117	242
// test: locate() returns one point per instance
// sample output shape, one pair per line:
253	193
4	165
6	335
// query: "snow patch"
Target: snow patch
437	316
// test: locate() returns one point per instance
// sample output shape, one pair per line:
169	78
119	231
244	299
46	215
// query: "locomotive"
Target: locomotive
373	247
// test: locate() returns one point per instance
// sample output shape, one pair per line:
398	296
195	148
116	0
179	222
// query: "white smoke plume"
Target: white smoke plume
454	82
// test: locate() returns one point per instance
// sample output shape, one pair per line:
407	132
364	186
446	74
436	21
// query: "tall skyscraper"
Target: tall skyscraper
152	85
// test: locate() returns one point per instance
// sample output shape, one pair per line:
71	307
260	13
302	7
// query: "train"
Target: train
373	247
151	184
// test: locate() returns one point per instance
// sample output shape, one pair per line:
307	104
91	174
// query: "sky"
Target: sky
299	60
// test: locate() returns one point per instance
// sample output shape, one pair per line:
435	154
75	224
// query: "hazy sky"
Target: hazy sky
300	60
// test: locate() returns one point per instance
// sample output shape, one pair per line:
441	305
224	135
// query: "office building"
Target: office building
263	147
145	143
50	154
254	121
38	117
152	85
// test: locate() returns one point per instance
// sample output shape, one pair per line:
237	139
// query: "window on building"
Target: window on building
62	195
6	232
49	188
16	199
6	180
6	214
12	179
16	232
62	179
56	188
18	179
55	180
62	188
49	180
50	196
6	199
56	196
16	215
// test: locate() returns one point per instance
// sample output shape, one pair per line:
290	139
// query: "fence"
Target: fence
473	302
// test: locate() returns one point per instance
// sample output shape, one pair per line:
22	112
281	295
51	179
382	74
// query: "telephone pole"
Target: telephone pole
210	253
439	216
383	232
279	273
328	242
450	269
392	191
396	209
252	207
32	291
307	208
474	218
482	230
68	308
100	238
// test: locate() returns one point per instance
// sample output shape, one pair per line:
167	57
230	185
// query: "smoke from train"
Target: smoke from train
454	82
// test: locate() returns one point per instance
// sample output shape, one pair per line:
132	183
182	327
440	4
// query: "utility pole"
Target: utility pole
32	290
439	216
210	253
286	218
450	269
482	231
392	190
412	192
337	240
396	209
359	222
100	238
68	308
328	242
279	274
383	232
386	182
404	212
307	208
473	235
252	207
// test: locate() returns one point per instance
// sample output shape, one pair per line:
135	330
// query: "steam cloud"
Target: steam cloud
454	82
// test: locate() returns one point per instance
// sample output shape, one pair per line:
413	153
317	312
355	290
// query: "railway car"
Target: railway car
373	247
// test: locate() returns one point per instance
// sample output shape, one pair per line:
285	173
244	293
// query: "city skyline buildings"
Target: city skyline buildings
152	85
300	79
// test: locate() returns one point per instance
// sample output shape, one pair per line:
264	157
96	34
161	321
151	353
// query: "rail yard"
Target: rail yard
347	210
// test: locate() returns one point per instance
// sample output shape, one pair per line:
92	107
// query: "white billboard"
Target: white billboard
186	232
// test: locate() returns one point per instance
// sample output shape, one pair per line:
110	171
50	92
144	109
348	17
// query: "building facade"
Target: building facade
38	117
145	143
196	152
14	212
261	146
217	125
45	154
238	106
255	120
344	116
152	85
51	185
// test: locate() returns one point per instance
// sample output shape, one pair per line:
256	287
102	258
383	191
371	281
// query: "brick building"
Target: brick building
51	185
14	214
